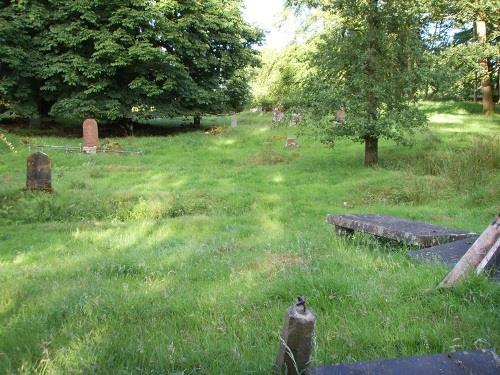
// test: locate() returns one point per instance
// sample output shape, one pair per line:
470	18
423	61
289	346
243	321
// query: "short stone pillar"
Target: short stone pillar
90	136
296	342
234	121
38	172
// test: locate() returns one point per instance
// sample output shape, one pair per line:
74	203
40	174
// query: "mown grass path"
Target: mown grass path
185	259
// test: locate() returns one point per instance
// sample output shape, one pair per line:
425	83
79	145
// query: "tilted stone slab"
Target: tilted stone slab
484	362
449	254
408	231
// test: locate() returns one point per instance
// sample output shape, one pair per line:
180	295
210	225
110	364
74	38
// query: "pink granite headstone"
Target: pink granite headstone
90	135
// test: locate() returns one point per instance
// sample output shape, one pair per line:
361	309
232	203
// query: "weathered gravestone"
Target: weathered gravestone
90	136
407	231
38	173
234	121
340	116
291	143
278	114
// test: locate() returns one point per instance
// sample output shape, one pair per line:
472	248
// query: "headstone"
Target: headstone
484	362
278	114
296	341
340	116
291	143
38	173
90	136
408	231
296	118
234	121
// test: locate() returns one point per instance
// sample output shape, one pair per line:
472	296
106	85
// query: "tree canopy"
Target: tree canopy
123	59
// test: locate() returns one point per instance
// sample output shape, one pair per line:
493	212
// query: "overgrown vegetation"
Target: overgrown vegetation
185	259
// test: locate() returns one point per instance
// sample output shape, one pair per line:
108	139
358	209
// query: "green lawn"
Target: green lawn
185	259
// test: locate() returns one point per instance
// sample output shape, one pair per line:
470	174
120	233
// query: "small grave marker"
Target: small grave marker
38	173
340	116
90	136
278	114
291	143
234	121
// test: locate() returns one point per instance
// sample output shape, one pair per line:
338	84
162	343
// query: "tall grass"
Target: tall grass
185	259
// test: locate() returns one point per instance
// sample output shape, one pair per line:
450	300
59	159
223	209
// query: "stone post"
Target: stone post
296	341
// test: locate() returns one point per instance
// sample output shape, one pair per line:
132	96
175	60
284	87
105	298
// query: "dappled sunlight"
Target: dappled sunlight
278	178
261	129
226	142
446	119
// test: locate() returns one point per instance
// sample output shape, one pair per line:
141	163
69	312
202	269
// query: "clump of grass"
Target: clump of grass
267	158
469	167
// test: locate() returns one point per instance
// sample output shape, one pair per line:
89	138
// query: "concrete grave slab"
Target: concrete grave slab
407	231
484	362
449	254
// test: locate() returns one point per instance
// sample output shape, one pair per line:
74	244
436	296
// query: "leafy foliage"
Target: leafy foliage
103	58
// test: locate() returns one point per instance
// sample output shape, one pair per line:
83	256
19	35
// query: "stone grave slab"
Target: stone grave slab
484	362
408	231
38	172
449	254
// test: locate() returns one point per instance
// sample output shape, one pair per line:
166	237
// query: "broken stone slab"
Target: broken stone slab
485	362
407	231
450	254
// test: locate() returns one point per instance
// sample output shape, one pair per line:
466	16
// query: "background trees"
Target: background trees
367	62
105	58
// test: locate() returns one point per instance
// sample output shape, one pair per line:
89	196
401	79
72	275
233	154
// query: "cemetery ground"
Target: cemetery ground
185	259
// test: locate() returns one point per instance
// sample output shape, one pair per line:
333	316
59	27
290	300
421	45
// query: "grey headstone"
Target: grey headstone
38	172
234	121
408	231
484	362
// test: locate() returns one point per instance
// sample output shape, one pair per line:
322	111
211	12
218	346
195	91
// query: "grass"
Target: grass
185	259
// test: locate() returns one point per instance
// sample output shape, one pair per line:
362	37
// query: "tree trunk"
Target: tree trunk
197	121
371	151
488	106
371	142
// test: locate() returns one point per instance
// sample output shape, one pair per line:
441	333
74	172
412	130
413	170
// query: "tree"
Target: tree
367	62
125	60
467	51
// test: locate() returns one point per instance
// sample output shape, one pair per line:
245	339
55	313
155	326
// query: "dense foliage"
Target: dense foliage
371	61
123	60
